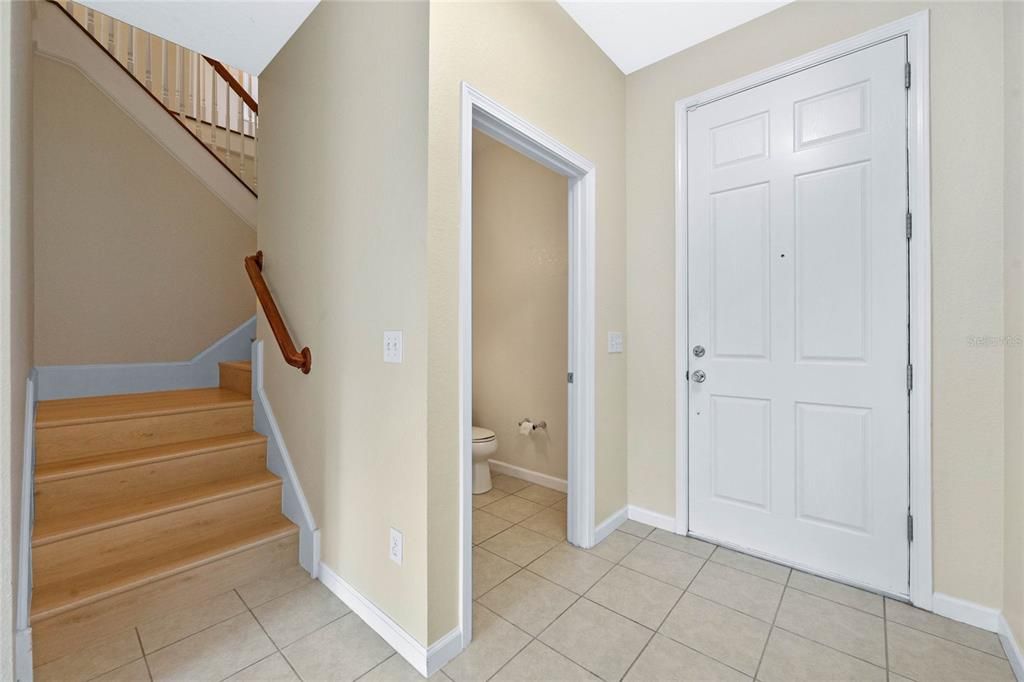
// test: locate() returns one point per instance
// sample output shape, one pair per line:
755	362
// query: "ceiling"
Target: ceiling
637	33
245	34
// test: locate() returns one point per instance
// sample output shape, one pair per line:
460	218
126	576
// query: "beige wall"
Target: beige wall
520	305
1013	561
342	224
136	260
534	59
16	308
967	237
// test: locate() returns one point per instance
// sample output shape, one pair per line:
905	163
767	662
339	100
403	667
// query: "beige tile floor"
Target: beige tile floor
643	605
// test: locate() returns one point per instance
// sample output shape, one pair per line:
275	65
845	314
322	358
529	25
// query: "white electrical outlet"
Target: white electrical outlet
615	343
395	546
393	347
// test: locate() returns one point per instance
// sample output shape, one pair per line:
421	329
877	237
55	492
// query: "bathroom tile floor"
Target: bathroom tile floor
643	605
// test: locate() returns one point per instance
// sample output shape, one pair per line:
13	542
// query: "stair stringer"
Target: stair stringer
58	37
293	500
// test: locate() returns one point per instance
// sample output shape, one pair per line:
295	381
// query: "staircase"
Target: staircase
146	502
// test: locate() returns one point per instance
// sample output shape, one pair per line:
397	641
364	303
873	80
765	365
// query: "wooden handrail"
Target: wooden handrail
233	83
304	359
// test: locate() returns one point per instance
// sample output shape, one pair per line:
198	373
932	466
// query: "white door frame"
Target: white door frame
484	114
915	28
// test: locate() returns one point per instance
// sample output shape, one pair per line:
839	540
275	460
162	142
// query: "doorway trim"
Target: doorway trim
915	27
482	113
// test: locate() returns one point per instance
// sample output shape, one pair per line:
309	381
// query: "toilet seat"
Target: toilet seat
482	435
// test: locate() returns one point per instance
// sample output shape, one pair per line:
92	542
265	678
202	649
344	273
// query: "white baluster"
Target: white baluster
70	7
201	112
111	46
179	64
227	126
247	84
193	74
241	138
255	145
163	72
131	49
90	22
149	62
213	108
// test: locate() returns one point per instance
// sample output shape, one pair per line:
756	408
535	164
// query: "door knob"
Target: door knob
699	376
698	351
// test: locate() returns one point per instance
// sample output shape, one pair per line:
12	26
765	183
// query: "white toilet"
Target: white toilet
485	444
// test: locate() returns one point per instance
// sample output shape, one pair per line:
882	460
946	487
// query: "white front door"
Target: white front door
798	295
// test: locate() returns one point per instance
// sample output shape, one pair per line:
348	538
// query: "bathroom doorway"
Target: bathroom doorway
520	332
535	412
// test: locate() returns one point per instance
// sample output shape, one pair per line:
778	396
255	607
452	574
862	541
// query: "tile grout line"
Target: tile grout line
828	646
707	560
219	622
885	638
273	642
768	639
947	639
657	630
393	654
145	660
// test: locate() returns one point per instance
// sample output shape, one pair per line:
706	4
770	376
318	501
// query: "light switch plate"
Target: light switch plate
395	542
393	347
615	343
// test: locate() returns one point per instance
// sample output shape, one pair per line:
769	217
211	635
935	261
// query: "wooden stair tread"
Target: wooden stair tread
94	464
88	521
244	365
51	413
99	583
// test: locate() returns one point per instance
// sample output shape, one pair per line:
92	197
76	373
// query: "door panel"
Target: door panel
797	280
831	260
739	296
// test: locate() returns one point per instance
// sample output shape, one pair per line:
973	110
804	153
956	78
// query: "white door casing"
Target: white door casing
798	291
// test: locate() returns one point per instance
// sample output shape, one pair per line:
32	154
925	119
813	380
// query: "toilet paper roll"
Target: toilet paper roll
526	427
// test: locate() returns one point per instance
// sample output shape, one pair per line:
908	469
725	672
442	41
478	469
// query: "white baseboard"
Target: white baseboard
426	660
984	617
651	518
76	381
293	500
23	655
1012	647
559	484
605	528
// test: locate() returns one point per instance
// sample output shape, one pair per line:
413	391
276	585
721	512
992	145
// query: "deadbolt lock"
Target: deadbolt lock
698	351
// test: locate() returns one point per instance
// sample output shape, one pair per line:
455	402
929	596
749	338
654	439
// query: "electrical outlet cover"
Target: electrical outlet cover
393	347
395	546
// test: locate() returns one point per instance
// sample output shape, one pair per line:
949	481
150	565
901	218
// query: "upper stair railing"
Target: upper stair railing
215	102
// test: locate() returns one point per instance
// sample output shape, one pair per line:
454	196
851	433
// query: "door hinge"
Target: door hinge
906	75
910	224
571	377
910	527
910	378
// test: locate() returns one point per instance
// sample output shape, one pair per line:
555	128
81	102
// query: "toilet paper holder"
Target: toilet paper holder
532	424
